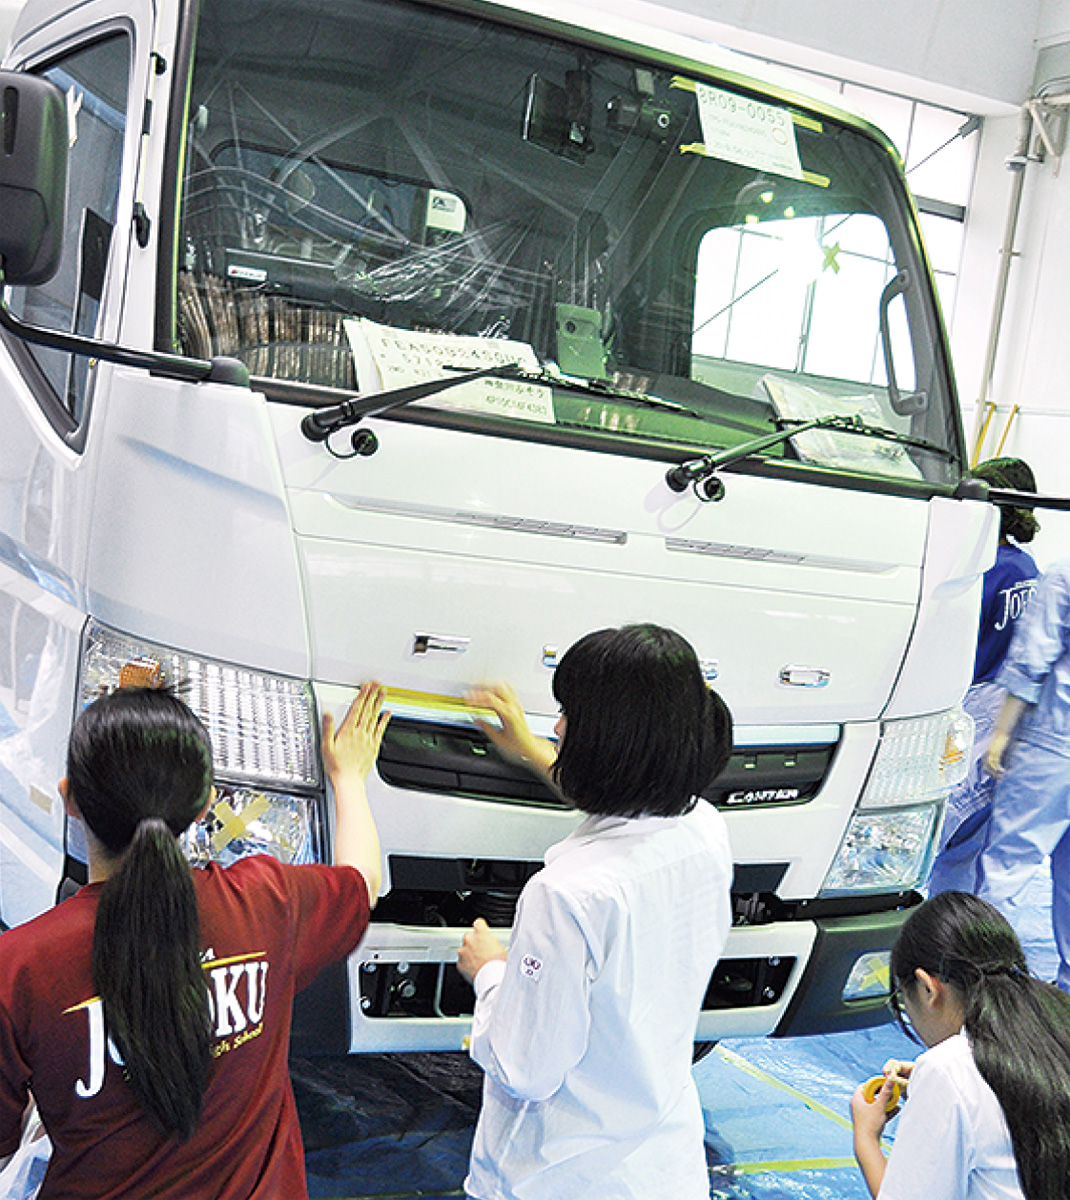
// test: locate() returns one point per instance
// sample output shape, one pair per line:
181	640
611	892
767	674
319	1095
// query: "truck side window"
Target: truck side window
95	80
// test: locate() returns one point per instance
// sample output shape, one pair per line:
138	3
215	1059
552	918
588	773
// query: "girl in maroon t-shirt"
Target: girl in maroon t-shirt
149	1014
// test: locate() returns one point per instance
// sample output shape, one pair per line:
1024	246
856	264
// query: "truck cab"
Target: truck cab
412	341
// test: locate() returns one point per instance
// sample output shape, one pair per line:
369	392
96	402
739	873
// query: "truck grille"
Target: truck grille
459	761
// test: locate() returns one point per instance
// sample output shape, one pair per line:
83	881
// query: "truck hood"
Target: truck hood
450	558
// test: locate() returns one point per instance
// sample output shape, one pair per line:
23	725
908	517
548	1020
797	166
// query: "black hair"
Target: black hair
1018	1026
1015	475
644	733
139	767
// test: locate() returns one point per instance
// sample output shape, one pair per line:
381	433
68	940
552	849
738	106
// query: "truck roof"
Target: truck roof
683	51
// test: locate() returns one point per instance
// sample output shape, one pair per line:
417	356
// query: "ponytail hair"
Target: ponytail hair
1019	1027
1014	475
139	767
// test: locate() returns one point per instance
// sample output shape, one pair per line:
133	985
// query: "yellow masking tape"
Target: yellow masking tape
794	1164
431	700
737	1060
233	825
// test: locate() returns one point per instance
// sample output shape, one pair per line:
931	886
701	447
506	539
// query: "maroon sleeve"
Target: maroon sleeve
330	912
13	1094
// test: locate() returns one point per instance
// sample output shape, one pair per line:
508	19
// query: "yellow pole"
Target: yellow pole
1006	430
990	411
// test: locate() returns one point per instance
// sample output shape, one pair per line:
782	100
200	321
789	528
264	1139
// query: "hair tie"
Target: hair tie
1011	970
151	823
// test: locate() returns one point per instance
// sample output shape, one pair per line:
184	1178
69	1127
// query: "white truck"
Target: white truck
411	341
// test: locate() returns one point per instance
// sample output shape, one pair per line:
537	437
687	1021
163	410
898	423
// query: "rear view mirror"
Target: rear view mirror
33	177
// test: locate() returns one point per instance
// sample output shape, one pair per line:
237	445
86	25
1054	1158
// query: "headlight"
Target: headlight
245	821
261	727
889	843
884	851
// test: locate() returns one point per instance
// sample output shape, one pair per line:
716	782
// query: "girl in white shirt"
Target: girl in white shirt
988	1113
585	1026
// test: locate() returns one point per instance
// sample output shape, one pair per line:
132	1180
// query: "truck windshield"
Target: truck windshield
377	192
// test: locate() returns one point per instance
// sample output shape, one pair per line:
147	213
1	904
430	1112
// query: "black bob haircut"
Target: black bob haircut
644	733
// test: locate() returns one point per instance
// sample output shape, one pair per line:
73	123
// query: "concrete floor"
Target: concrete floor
777	1128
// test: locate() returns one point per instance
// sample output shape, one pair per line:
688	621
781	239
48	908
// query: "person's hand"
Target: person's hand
993	761
870	1117
513	737
896	1068
352	748
479	947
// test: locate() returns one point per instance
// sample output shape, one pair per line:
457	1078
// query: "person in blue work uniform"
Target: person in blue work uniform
1008	585
585	1026
1029	756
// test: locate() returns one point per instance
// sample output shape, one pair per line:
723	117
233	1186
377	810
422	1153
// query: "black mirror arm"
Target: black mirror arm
170	366
1006	498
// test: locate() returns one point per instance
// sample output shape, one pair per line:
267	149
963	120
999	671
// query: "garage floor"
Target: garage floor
777	1127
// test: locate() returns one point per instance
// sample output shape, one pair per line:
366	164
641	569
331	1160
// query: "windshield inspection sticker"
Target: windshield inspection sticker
388	358
748	132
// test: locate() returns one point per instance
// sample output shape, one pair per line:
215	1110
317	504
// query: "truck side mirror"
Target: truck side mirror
33	177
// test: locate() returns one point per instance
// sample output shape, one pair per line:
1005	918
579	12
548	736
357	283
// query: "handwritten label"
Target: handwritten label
748	132
400	357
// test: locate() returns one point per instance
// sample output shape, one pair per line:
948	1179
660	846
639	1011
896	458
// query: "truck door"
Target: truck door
46	398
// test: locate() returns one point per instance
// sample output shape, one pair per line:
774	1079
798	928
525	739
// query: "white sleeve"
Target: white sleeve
933	1150
531	1016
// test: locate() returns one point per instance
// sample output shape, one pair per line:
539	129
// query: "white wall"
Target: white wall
971	54
1033	363
1054	23
9	10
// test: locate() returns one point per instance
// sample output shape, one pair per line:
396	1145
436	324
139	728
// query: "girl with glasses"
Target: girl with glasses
987	1114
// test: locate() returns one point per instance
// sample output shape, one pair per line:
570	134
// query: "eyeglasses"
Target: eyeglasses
895	1003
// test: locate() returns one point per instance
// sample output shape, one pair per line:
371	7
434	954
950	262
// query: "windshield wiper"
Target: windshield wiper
701	473
613	391
319	425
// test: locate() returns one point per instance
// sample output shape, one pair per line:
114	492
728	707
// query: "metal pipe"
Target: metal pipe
1030	115
1016	163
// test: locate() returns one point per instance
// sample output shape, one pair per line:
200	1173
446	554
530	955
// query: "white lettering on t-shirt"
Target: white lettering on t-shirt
229	1016
237	994
94	1010
257	974
237	998
1014	601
